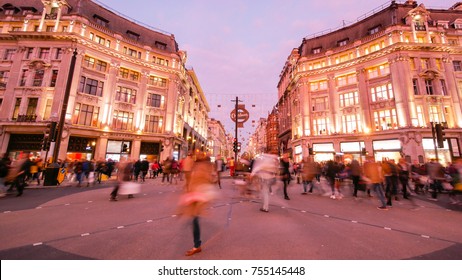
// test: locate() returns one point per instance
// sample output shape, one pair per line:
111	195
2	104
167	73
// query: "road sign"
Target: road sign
242	115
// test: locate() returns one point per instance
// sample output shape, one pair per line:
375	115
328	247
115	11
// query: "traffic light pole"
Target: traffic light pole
235	130
434	140
64	107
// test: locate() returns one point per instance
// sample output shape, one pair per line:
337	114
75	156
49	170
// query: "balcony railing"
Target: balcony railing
26	118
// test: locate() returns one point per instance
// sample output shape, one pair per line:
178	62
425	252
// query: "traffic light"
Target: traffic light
311	152
238	146
124	148
439	128
51	131
235	146
45	144
162	148
364	152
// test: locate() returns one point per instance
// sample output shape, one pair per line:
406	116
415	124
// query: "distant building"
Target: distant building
376	87
130	94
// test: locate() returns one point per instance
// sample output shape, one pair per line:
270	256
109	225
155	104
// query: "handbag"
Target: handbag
128	187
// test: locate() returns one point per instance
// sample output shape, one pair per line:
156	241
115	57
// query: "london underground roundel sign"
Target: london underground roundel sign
242	115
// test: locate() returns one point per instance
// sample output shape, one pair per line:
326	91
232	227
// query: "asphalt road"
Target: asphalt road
70	223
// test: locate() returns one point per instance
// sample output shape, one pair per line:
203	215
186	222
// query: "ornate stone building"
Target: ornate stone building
377	86
128	91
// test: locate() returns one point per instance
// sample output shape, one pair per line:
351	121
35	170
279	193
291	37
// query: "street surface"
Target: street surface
70	223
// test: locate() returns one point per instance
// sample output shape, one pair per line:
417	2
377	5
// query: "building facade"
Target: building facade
217	146
116	88
378	86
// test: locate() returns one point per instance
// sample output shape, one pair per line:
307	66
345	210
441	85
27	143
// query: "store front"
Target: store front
387	149
298	153
352	150
444	154
20	143
323	152
117	149
81	148
150	151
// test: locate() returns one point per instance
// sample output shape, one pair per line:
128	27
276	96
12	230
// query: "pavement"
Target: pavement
66	222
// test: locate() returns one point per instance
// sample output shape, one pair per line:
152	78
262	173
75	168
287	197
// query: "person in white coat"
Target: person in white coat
265	168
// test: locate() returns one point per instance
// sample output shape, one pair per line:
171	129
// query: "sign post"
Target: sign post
239	116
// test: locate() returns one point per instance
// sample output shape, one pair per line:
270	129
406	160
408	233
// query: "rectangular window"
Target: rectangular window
122	120
320	126
91	86
86	115
4	76
23	80
124	72
44	53
157	81
160	45
89	62
425	63
32	107
316	50
155	100
429	87
351	123
54	77
101	66
443	88
17	104
415	86
29	52
9	53
420	116
383	92
349	99
320	104
385	120
125	94
47	113
434	113
38	78
153	124
457	65
59	53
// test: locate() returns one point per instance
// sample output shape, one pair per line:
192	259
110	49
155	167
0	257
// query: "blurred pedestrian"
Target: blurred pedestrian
166	168
144	167
124	174
265	169
200	192
374	177
355	171
285	173
308	174
403	175
188	163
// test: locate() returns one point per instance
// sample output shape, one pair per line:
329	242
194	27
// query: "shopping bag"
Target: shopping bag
129	188
91	177
104	177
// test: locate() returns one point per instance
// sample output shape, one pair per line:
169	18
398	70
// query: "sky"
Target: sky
238	48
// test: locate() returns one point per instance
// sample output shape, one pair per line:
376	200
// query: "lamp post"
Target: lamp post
64	107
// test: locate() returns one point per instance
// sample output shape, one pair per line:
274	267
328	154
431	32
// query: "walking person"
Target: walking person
124	174
332	169
144	167
265	169
285	173
166	168
201	191
390	172
188	163
435	172
308	173
355	171
373	173
403	175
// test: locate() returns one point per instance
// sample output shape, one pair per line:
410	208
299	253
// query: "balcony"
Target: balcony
26	118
